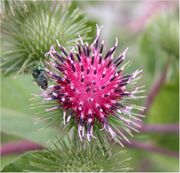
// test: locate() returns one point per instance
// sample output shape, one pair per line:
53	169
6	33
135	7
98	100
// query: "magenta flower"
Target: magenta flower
91	88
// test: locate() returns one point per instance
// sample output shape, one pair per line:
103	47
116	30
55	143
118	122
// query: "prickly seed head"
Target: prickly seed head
78	157
89	86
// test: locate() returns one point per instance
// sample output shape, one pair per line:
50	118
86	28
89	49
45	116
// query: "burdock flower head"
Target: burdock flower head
92	90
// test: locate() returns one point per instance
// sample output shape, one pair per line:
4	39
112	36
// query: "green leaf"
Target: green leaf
163	164
165	109
16	116
5	138
6	160
22	125
22	163
19	88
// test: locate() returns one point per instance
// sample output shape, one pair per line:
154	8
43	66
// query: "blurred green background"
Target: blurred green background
151	31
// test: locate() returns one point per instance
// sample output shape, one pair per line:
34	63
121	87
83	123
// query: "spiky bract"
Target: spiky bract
29	28
74	156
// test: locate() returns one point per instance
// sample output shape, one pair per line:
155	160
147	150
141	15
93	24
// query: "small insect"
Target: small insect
39	76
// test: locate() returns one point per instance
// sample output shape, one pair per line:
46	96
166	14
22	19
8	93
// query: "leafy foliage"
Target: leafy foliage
16	116
165	109
29	28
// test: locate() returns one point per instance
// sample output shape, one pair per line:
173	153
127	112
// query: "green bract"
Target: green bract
29	28
70	156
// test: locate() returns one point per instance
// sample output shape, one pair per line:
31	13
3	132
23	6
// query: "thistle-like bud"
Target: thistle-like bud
29	28
78	157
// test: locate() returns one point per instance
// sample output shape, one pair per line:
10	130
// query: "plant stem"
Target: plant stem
150	147
155	89
19	147
159	128
24	145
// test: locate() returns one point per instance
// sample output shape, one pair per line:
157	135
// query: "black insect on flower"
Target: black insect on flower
40	77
